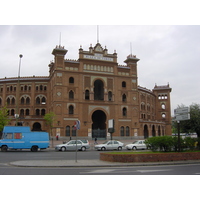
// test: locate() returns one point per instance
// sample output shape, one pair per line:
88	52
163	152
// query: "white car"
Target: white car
136	145
109	145
71	146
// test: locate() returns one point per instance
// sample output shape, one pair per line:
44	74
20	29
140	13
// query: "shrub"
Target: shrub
190	142
162	143
170	143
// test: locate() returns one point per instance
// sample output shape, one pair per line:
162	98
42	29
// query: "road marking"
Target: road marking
153	170
100	171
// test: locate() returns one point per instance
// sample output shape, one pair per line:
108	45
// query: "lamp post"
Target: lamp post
17	92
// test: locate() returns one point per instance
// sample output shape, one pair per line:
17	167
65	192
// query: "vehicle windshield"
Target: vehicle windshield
105	142
135	142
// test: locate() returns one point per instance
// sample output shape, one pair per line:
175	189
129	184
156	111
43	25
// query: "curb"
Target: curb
94	163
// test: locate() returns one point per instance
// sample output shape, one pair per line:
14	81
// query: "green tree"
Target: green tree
3	117
192	125
195	118
50	118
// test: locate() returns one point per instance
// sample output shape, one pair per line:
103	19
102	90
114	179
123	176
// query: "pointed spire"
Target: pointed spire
97	33
60	39
131	48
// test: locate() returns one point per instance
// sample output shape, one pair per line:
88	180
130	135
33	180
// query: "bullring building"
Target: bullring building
93	89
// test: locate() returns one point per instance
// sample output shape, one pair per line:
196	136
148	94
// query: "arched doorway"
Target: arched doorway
36	127
99	124
159	131
146	132
98	90
153	131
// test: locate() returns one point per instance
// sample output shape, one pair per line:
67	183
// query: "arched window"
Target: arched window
71	80
13	112
124	112
8	101
124	98
27	111
67	131
163	115
0	101
13	101
73	131
22	100
109	96
98	90
71	110
43	112
22	112
122	131
37	112
37	100
43	100
87	94
71	94
27	101
163	106
123	84
127	131
41	87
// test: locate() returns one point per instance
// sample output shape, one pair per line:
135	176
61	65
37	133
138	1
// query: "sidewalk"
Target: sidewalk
91	163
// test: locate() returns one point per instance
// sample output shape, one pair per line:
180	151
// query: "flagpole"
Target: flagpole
76	143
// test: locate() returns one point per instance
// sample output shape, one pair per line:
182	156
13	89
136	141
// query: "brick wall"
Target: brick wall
154	157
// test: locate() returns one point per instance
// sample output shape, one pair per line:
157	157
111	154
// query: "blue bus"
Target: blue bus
21	137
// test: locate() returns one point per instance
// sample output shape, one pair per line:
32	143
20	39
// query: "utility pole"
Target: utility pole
17	92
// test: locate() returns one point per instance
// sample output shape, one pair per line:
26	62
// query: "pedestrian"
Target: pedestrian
57	137
95	140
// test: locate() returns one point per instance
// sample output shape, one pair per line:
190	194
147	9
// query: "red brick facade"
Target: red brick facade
92	89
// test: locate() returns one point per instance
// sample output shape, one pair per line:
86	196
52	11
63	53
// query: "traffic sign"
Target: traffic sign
181	110
182	117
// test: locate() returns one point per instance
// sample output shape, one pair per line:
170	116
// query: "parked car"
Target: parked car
71	146
109	145
136	145
85	141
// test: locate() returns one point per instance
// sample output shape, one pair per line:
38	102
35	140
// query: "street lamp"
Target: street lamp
17	94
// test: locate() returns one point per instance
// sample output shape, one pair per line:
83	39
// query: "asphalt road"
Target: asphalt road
10	156
191	169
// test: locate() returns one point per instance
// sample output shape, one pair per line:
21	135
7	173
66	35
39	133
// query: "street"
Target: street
192	169
10	156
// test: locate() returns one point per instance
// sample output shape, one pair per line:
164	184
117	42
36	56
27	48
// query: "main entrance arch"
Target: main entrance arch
99	124
36	127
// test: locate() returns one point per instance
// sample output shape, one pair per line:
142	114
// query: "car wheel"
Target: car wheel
103	148
63	148
83	149
4	148
134	148
34	148
119	148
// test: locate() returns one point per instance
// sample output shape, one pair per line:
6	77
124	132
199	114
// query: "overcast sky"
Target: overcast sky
168	54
